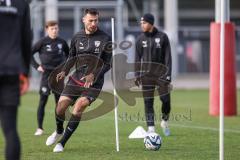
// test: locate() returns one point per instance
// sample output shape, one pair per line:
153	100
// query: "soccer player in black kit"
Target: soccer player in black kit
93	42
53	51
15	44
153	46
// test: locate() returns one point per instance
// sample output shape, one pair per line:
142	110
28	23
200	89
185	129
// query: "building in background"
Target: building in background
193	18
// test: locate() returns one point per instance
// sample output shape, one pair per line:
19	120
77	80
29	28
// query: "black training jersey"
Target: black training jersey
97	45
154	47
15	41
52	52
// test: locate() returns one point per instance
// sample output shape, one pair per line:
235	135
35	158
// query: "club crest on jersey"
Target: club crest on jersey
49	48
59	48
157	41
144	44
97	44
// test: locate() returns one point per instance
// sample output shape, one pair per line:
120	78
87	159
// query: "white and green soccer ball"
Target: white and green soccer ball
152	141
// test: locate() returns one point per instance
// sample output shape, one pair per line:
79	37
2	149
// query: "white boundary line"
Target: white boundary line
204	128
29	109
193	127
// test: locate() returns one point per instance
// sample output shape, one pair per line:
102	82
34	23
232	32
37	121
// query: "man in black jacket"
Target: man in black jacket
153	47
15	56
53	51
89	49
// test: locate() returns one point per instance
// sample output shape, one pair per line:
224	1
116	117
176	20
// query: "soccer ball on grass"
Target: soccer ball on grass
152	141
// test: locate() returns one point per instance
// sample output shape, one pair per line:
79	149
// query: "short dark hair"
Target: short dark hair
51	23
92	11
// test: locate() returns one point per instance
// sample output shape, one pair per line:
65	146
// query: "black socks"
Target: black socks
71	127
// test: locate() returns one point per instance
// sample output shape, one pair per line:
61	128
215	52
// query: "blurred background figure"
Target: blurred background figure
53	51
15	56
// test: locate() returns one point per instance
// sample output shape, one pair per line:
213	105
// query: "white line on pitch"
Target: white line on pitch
204	128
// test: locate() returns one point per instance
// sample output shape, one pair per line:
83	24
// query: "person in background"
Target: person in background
15	57
153	46
53	51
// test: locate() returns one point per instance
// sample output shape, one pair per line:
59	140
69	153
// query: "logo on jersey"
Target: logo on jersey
49	48
144	44
7	2
7	8
44	89
60	48
97	44
157	41
81	45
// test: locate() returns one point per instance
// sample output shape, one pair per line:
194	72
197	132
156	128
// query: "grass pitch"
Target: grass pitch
194	134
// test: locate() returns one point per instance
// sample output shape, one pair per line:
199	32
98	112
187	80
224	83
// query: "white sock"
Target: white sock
151	128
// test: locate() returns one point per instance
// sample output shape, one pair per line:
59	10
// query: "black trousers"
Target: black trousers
44	92
41	107
9	101
148	95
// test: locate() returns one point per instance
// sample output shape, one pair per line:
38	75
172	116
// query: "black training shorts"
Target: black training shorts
74	90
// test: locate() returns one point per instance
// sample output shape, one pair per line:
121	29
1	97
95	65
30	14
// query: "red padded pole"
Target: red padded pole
230	101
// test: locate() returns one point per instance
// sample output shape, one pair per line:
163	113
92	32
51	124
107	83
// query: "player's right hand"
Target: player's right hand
40	69
24	83
88	80
60	76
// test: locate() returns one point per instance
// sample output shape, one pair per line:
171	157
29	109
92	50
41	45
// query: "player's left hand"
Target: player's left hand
24	84
60	76
88	80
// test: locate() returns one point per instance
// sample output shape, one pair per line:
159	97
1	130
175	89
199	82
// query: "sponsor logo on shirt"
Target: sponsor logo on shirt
144	44
49	48
81	45
7	8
